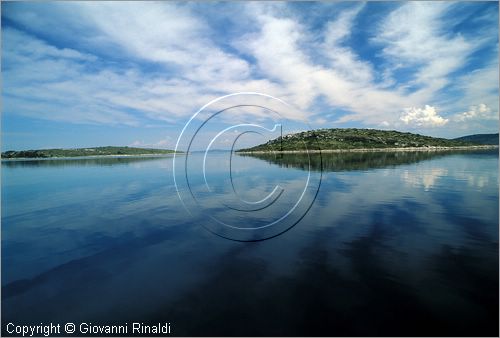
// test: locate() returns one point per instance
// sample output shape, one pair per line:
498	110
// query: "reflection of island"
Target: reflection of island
344	161
79	161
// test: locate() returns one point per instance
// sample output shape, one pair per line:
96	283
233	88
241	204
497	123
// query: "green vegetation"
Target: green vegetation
480	138
78	152
352	138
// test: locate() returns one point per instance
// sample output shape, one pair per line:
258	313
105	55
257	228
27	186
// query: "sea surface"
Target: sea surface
401	243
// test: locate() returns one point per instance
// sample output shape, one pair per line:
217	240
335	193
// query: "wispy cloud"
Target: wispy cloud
139	63
165	143
415	35
481	112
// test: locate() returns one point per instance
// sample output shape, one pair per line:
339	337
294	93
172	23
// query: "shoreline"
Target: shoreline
366	150
84	157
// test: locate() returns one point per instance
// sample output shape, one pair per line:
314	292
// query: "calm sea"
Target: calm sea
392	244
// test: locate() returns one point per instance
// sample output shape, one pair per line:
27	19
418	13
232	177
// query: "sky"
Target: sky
83	74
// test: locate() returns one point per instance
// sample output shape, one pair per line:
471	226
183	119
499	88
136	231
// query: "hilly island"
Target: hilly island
336	139
84	152
353	139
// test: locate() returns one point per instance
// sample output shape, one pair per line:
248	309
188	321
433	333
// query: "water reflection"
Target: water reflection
79	162
357	160
405	246
427	179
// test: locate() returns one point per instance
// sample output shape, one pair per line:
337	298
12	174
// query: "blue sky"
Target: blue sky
80	74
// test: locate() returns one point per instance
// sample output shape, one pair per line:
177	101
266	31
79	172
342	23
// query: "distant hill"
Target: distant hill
353	138
78	152
480	138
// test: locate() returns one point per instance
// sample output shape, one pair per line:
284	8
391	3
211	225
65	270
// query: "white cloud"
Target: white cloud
47	82
279	55
165	143
480	112
166	33
423	117
477	87
413	35
20	44
480	85
65	85
343	60
346	83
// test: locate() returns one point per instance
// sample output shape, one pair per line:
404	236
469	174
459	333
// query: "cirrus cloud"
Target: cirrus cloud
137	64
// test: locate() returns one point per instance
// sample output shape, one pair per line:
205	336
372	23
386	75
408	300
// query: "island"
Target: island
354	139
480	138
85	152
